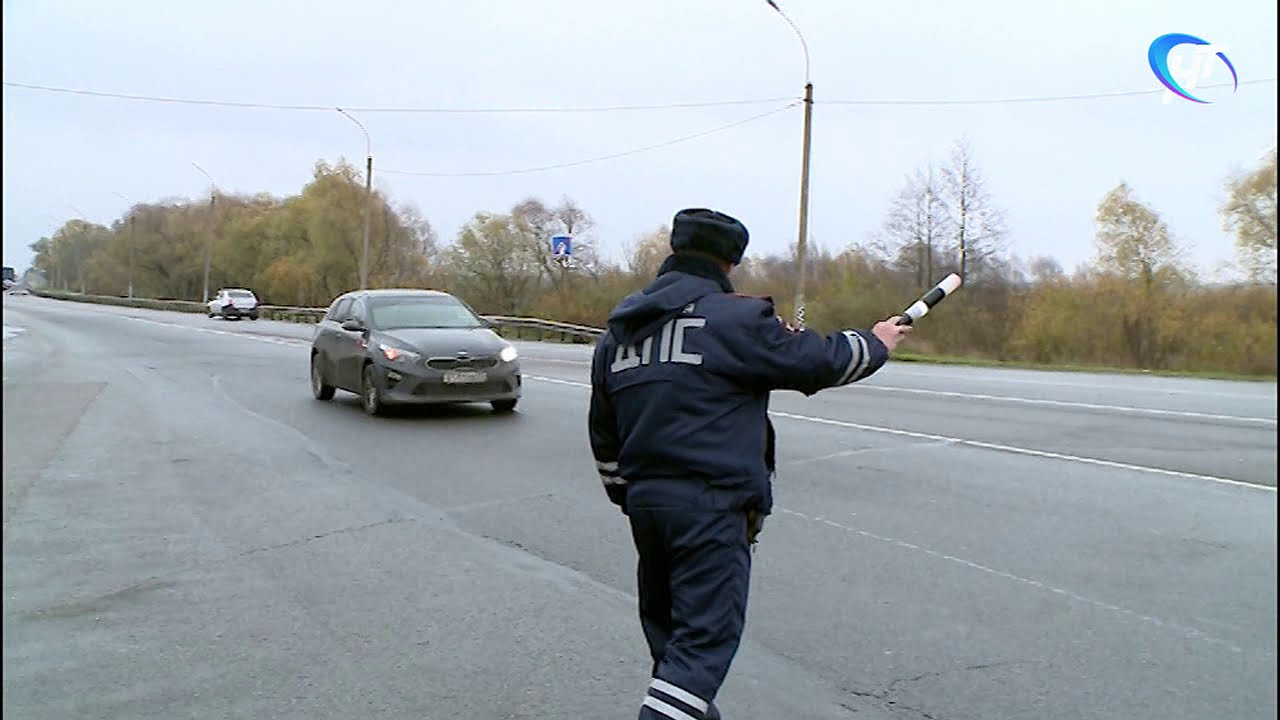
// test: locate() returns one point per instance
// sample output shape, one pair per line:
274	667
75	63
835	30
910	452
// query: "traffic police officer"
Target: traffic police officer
679	428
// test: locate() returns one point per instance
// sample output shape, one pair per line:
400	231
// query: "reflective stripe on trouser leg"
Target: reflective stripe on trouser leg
674	702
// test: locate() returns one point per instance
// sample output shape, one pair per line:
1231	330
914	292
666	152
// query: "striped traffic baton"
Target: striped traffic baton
921	307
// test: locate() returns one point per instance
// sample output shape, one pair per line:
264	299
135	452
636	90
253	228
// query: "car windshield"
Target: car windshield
421	312
240	294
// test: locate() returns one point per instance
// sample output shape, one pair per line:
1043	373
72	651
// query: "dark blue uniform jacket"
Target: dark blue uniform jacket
681	383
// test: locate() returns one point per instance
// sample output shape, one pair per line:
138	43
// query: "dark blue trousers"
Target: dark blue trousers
693	573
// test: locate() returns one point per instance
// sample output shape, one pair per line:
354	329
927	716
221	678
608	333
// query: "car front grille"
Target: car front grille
492	387
480	363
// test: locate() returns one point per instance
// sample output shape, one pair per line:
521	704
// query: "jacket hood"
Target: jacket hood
682	279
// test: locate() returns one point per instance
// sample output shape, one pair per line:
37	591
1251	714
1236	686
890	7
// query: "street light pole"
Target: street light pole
80	254
131	242
208	253
368	198
801	242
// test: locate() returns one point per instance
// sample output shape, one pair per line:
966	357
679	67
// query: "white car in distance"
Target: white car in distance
234	303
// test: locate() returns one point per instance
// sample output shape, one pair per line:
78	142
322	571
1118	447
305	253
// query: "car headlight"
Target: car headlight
508	354
396	354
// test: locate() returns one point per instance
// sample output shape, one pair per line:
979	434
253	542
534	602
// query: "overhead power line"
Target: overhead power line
888	102
1026	99
600	158
404	110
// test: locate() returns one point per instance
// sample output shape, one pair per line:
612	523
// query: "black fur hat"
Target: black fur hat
710	232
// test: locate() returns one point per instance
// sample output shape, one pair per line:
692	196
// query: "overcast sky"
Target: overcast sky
1047	164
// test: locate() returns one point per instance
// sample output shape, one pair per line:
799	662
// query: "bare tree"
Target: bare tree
577	222
1045	269
538	223
977	226
915	227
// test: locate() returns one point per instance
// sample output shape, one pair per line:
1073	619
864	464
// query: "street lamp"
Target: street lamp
368	198
131	241
208	253
801	244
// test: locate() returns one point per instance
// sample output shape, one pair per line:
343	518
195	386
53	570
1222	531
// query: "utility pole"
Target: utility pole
79	246
368	214
802	242
802	245
368	198
131	242
208	252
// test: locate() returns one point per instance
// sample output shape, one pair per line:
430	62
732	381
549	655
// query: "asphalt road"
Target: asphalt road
187	533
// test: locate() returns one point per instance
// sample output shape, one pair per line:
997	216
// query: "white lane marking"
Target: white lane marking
247	336
899	369
980	444
1132	387
558	381
1065	403
11	331
561	361
1131	409
119	311
1188	631
864	451
838	423
1023	451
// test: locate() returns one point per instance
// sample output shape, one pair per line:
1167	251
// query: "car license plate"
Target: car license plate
458	377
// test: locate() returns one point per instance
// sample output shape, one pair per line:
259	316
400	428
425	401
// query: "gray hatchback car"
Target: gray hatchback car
412	347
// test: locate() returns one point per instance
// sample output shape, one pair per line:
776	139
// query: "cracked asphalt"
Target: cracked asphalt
188	534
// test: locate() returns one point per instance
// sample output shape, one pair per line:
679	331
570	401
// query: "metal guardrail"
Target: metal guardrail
564	332
521	328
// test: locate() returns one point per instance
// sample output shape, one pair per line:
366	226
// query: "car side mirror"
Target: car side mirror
353	325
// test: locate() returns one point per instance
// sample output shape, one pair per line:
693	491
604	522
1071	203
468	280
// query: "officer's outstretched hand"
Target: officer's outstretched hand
891	333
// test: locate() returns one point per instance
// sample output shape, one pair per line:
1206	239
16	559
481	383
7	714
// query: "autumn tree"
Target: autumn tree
644	254
1135	304
494	265
1135	250
311	245
66	256
1250	214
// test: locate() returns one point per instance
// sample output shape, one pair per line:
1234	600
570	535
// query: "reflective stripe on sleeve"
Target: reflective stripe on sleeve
861	357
